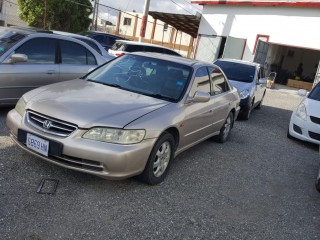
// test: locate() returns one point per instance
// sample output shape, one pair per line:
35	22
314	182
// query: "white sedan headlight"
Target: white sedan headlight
302	112
20	106
113	135
244	94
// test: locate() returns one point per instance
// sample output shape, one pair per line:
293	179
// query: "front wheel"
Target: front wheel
260	103
225	129
245	115
159	160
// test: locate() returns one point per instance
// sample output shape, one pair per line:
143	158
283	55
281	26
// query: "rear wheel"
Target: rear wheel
225	129
159	161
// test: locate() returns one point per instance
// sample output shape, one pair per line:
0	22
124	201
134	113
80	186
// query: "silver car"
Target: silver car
30	58
249	78
129	117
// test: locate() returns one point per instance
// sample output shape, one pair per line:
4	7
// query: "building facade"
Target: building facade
157	32
9	14
279	34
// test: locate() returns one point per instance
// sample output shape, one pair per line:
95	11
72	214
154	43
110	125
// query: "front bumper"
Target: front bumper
304	130
106	160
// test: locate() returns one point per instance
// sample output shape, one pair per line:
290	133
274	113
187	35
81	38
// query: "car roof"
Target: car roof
172	58
128	42
239	61
27	30
102	33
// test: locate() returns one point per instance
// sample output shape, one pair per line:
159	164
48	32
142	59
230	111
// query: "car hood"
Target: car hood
312	107
89	104
240	86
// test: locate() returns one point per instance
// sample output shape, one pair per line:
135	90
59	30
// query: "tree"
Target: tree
63	15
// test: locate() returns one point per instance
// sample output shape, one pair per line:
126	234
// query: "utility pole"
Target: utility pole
45	15
144	20
93	15
97	15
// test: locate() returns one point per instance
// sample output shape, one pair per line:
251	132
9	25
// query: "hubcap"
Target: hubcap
227	127
162	159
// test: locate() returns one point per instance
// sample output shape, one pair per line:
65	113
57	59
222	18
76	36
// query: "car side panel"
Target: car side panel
19	78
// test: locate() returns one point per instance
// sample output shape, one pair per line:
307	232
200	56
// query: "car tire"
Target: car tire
260	103
317	185
159	160
288	135
225	129
246	114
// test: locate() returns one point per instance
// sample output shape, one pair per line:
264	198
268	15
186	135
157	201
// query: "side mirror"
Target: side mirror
199	96
17	57
302	92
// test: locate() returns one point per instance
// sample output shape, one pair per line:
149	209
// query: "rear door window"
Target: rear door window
91	44
39	50
76	54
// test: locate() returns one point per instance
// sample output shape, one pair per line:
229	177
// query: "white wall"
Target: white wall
10	13
285	25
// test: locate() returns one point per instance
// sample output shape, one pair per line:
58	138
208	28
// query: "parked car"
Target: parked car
91	42
318	176
249	79
30	58
105	39
121	47
129	117
305	119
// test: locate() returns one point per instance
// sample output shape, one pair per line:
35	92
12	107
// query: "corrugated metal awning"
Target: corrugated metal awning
185	23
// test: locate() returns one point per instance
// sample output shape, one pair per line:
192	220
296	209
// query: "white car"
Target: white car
305	119
120	47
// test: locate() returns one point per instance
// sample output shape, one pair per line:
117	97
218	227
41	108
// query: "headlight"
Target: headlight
20	106
244	94
113	135
302	112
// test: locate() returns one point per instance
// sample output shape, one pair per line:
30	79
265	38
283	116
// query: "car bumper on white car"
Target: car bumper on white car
110	161
304	130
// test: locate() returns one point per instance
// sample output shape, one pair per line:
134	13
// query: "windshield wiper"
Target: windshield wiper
107	84
157	95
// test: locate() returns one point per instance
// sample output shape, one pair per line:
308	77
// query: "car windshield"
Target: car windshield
8	38
315	93
237	71
148	76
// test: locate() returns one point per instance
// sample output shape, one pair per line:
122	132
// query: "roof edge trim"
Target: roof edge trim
258	3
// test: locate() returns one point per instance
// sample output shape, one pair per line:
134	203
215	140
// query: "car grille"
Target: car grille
315	119
314	135
297	129
50	125
78	163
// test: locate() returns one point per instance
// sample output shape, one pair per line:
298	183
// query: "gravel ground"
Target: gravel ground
259	185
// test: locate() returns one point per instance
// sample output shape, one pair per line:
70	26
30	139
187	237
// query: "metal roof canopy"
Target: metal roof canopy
185	23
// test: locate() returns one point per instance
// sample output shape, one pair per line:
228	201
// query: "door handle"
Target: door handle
51	72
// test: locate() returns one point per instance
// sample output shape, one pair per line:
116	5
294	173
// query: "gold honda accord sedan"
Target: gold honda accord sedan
129	117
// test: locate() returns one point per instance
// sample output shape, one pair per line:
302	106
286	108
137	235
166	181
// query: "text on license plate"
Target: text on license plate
38	144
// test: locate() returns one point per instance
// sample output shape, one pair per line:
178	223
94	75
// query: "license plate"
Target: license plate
38	144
